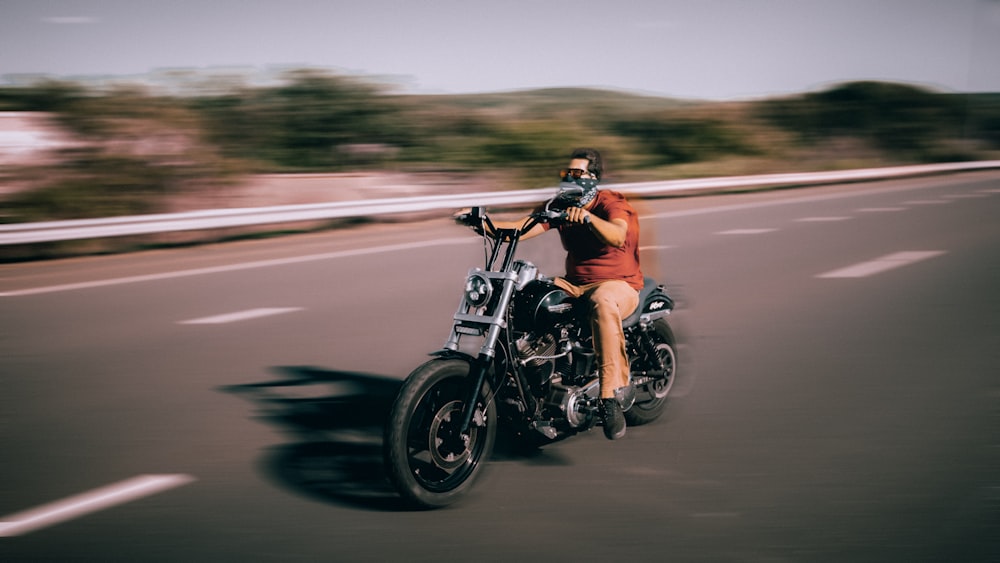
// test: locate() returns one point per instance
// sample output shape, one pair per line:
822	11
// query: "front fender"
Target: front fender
452	355
498	367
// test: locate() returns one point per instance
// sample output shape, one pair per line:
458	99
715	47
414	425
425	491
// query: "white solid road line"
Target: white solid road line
86	503
879	265
241	316
237	267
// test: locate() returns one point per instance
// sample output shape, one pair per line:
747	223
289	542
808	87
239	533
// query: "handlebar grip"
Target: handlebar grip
550	216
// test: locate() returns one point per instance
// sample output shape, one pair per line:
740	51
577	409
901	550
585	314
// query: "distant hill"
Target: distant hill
548	99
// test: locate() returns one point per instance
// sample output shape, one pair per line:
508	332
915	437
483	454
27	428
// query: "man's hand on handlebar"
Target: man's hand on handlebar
577	215
574	215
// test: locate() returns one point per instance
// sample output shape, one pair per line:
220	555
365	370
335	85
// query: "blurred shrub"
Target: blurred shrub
131	151
315	122
531	146
678	139
48	95
90	184
983	117
904	121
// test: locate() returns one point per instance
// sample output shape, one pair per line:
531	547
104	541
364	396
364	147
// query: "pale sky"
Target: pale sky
712	49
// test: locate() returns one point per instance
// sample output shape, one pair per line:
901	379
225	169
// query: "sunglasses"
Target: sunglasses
574	173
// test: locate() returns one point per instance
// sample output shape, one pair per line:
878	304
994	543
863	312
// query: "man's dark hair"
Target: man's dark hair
595	166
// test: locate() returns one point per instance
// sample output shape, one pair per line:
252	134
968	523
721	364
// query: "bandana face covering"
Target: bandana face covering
569	192
589	186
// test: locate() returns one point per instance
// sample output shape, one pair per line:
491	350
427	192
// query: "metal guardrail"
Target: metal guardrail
29	233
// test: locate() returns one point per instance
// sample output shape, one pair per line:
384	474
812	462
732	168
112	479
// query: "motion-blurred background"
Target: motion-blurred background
119	108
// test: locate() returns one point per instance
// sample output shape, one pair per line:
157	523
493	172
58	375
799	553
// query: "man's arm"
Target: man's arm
609	232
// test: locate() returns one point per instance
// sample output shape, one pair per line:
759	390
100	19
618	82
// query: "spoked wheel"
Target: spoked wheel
429	460
653	376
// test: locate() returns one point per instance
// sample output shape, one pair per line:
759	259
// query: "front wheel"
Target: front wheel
653	367
429	460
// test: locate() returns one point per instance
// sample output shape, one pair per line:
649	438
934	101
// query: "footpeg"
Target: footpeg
545	429
625	396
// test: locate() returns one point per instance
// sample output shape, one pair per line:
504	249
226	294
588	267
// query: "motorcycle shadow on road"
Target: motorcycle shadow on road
336	420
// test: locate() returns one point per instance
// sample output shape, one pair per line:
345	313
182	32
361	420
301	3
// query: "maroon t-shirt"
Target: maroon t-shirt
589	259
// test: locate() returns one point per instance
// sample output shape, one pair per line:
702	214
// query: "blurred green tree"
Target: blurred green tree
315	121
671	139
903	120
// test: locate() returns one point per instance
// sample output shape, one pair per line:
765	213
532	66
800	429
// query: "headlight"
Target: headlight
478	290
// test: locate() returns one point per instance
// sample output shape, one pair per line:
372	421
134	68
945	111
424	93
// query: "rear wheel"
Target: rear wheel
429	460
653	368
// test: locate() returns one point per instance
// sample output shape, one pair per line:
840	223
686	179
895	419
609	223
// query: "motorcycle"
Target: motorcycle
534	373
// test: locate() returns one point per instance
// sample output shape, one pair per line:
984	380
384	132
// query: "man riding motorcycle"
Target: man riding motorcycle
601	236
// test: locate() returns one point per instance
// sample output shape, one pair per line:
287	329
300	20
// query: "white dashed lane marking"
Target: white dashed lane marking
965	196
883	264
241	316
86	503
821	219
880	209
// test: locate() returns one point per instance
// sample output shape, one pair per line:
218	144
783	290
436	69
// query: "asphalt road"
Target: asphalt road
837	399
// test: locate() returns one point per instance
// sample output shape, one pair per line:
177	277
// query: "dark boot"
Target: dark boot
613	419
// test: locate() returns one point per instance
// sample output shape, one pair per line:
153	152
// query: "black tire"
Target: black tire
427	460
652	391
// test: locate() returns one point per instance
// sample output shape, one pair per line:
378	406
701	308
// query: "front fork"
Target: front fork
477	376
481	365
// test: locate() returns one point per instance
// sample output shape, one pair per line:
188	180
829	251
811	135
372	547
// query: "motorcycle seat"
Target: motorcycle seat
649	286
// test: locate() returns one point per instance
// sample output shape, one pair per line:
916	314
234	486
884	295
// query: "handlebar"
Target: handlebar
480	222
477	219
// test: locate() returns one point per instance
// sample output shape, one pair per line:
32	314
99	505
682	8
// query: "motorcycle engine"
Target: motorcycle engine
560	369
562	374
537	355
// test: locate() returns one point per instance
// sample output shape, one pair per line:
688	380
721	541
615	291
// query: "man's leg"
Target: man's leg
612	301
